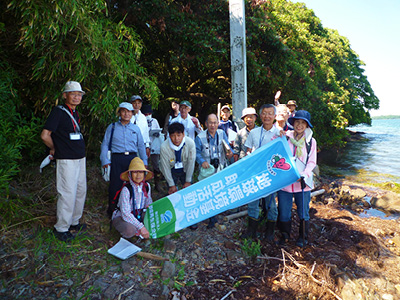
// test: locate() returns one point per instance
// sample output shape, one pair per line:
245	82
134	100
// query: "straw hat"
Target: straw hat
136	165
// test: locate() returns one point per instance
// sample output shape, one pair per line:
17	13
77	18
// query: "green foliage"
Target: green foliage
16	133
75	40
251	248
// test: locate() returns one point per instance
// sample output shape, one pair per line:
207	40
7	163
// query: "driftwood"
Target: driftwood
244	212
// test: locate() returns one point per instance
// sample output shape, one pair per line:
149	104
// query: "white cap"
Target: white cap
248	111
126	105
73	86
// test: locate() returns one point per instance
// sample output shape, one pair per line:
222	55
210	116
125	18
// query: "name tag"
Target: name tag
75	136
178	165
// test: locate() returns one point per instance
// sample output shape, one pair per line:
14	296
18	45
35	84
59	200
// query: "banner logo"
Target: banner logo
277	162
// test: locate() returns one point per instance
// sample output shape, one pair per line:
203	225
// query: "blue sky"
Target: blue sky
373	29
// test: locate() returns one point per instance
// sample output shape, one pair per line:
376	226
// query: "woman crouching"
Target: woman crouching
134	198
304	149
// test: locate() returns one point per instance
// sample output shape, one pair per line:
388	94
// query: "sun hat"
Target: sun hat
227	107
187	103
204	173
73	86
301	115
248	111
291	102
135	97
136	165
126	105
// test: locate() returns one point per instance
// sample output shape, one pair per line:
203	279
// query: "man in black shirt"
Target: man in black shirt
62	135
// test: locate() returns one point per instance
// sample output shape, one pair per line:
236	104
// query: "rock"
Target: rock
126	267
164	293
140	295
366	204
229	245
169	246
358	193
168	270
112	291
389	202
101	284
220	227
232	255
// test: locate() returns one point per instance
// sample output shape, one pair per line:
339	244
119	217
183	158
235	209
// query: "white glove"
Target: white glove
105	172
45	162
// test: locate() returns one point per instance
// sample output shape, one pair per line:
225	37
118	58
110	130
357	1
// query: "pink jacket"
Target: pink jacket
312	161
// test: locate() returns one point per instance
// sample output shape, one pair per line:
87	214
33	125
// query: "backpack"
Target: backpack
114	205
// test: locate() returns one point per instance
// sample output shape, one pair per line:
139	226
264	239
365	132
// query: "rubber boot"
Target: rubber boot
285	229
302	241
270	230
251	231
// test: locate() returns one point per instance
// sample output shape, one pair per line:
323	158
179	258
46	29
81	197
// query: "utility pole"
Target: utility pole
238	59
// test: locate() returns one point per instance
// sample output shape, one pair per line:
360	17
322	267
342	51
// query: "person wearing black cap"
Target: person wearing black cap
140	120
191	124
304	149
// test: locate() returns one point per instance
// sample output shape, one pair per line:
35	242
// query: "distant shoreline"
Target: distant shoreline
386	117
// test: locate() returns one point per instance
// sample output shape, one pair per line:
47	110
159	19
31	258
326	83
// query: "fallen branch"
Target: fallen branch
124	292
151	256
37	218
235	215
227	295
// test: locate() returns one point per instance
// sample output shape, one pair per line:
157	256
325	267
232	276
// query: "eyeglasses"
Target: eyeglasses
268	114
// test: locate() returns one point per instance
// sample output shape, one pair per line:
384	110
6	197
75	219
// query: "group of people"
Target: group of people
136	140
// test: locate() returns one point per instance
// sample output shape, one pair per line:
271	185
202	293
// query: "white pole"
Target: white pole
238	58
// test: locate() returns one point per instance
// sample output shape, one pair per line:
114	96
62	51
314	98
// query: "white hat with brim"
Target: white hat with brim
248	111
73	86
126	105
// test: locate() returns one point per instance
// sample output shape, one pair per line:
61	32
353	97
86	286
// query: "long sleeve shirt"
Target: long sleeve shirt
126	138
309	164
215	143
167	160
126	205
140	120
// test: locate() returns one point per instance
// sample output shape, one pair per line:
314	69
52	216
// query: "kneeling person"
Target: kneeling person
135	197
177	158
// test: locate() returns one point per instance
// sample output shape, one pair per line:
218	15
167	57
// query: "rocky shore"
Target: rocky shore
351	255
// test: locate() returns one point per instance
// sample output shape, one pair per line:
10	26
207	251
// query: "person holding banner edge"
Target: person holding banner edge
304	149
212	149
258	137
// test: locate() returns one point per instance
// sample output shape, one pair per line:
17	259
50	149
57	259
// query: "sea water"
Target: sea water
377	156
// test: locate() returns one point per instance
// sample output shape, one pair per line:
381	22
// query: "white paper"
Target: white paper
124	249
231	135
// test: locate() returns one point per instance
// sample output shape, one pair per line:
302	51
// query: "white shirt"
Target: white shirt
259	137
190	128
140	120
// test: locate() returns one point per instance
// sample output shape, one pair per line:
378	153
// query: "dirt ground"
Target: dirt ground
350	256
